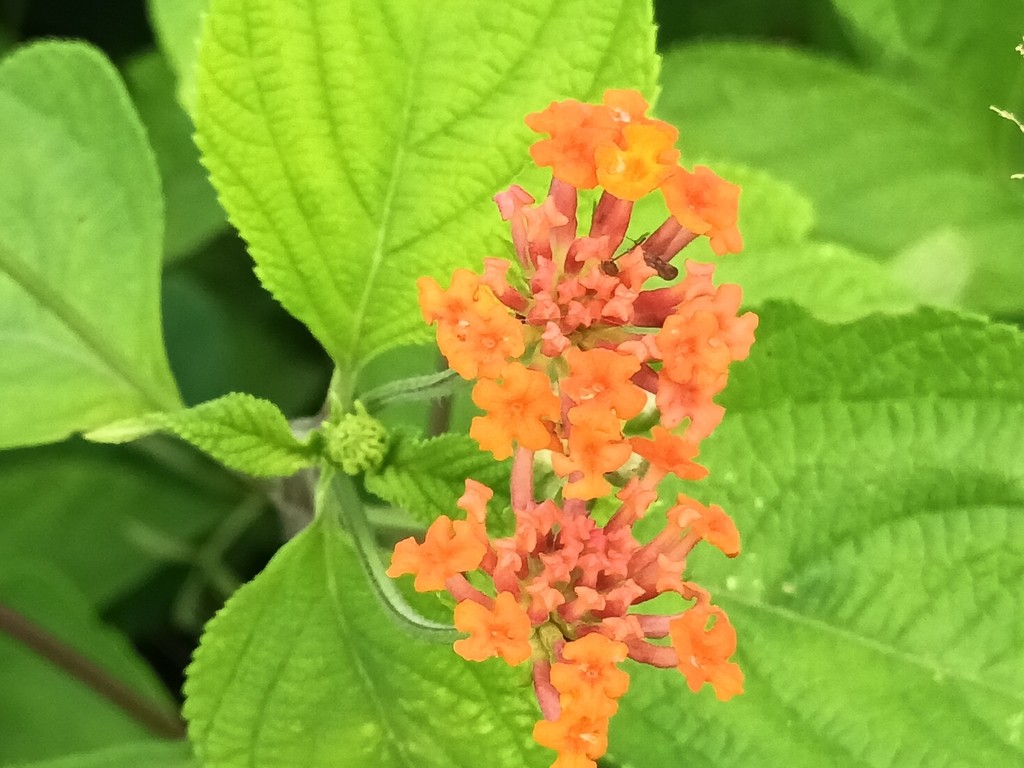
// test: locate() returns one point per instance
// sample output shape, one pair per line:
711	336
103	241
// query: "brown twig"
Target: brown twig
155	718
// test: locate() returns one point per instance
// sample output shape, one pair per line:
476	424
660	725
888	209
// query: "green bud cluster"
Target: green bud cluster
357	442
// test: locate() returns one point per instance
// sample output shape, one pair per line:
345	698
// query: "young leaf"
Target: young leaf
240	431
874	472
878	161
427	477
304	667
45	712
193	213
356	144
151	754
80	242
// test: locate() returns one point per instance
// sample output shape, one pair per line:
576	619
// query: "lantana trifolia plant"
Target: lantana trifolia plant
502	333
567	350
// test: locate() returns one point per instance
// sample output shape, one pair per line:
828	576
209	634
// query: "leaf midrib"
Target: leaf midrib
82	329
377	254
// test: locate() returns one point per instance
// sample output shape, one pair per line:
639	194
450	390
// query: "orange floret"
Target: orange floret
475	331
677	402
448	306
520	408
667	452
595	447
578	737
703	652
638	167
626	105
503	630
629	106
449	548
709	522
576	131
705	204
691	344
588	679
603	377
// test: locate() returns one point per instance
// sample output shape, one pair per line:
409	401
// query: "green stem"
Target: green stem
148	714
340	394
432	386
347	502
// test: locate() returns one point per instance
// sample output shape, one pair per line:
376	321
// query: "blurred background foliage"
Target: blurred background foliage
836	104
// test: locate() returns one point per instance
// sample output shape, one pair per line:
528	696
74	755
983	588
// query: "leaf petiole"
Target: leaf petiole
338	500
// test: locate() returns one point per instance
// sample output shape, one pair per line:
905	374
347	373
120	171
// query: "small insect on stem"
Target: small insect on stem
665	270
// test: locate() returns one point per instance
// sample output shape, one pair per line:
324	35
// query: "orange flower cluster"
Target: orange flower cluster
567	353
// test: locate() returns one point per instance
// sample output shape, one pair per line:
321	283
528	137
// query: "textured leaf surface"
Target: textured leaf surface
44	712
885	168
356	144
241	431
304	667
192	211
61	505
147	754
874	472
427	477
80	243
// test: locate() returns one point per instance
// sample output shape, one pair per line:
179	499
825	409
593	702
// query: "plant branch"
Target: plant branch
147	713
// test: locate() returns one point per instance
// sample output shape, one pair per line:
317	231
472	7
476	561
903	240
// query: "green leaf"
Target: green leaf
45	712
874	472
193	214
80	234
177	24
356	144
304	667
146	754
60	505
830	281
886	169
240	431
427	477
964	48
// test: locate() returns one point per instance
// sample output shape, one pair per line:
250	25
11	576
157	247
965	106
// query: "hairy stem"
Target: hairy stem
353	515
